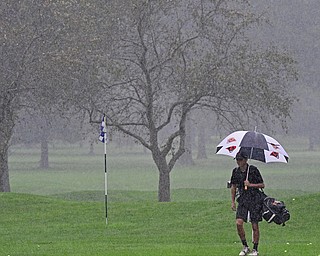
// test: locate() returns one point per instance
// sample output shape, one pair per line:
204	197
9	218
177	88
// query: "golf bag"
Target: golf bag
275	211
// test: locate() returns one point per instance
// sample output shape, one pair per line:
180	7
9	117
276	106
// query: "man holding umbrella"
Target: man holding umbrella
246	181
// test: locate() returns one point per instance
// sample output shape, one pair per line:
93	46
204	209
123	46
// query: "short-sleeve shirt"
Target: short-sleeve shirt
238	177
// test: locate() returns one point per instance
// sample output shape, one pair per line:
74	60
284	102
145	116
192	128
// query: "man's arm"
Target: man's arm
258	180
233	196
252	185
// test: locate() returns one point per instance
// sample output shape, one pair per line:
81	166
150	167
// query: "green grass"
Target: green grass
60	211
73	169
38	225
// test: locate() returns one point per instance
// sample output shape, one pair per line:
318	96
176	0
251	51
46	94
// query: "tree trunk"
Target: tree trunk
186	159
202	154
164	176
44	160
311	143
4	169
164	186
6	130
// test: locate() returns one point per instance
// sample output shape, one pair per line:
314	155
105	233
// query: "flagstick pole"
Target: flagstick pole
105	171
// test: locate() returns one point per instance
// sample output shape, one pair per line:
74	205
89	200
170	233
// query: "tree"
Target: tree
203	125
27	28
294	24
167	58
22	31
186	159
305	119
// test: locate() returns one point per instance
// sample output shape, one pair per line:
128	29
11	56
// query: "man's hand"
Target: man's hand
233	206
247	183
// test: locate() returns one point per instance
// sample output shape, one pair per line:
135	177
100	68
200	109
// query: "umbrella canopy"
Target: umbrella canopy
257	146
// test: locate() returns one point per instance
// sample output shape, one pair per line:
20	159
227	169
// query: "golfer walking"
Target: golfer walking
245	187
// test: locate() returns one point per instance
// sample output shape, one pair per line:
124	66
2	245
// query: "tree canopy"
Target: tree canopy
146	64
168	58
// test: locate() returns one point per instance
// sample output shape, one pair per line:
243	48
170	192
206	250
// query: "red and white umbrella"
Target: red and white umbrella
257	146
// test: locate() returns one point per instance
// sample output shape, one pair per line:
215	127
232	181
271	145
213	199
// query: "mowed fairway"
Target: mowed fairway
61	211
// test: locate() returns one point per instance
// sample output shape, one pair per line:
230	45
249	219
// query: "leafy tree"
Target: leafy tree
27	30
294	24
38	126
43	49
145	64
167	58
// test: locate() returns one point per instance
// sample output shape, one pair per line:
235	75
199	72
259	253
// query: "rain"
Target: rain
172	79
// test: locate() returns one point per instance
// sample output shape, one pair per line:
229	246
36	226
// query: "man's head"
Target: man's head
241	156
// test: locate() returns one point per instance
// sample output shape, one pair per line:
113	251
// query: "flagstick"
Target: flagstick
105	171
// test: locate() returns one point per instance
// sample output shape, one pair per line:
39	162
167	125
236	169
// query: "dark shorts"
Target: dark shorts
254	214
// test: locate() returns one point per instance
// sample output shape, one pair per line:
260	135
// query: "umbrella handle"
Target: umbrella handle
246	187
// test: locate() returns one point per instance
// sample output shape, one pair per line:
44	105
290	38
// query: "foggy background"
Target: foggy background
45	126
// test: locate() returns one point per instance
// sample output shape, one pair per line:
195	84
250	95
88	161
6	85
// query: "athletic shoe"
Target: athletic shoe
244	251
254	253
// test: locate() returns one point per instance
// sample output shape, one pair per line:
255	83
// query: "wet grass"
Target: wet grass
73	169
60	210
42	225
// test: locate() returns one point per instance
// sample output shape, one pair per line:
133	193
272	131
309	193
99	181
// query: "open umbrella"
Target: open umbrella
257	146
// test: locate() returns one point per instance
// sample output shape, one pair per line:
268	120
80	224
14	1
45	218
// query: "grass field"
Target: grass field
61	211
